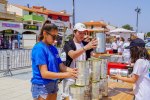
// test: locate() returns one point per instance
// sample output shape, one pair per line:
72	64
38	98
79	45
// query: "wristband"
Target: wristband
84	49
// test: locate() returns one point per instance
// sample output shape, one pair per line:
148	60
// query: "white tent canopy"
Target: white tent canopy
121	30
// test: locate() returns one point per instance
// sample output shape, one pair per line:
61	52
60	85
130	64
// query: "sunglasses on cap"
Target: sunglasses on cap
53	36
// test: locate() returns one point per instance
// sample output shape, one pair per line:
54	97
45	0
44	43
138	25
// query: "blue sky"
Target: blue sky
116	12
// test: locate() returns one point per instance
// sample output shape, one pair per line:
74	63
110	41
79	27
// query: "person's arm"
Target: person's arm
68	48
138	70
95	54
52	75
74	54
131	79
64	68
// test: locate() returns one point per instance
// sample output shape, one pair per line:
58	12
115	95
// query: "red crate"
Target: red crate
110	51
116	65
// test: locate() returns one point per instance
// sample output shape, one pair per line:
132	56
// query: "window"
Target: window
30	13
92	27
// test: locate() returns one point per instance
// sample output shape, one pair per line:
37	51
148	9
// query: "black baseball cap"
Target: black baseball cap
136	42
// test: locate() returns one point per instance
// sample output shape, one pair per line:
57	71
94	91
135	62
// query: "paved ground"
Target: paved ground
16	87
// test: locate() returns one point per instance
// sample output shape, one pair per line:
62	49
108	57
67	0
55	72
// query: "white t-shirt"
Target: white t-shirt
114	46
126	51
120	46
142	86
81	57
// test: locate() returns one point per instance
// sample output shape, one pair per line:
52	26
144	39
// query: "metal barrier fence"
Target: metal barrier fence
14	60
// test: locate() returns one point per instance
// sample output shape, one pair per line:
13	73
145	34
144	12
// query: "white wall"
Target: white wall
12	8
25	12
29	40
20	29
2	7
60	23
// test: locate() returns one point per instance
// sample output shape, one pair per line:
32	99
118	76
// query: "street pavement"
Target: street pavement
16	87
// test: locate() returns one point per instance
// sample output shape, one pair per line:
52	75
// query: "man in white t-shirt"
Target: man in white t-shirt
114	46
77	49
120	45
126	52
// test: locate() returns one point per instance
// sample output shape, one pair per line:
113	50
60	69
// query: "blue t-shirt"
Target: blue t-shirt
43	54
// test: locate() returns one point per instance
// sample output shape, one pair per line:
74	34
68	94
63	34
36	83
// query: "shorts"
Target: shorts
43	90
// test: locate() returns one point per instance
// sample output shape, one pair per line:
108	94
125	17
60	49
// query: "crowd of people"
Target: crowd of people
48	68
119	47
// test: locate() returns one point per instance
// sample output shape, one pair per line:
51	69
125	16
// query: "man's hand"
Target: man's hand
72	73
91	45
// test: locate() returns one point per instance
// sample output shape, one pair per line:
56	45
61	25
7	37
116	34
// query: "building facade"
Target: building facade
32	20
95	27
7	34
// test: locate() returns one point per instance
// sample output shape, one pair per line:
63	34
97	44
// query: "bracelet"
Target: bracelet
84	49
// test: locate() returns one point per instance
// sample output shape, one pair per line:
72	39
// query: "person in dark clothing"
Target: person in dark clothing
70	45
77	49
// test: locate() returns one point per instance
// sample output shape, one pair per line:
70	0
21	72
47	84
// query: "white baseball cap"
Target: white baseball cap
80	27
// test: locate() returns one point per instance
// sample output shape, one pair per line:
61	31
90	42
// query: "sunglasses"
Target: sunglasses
53	36
80	32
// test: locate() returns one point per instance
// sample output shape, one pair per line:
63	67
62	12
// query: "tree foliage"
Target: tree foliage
148	34
128	27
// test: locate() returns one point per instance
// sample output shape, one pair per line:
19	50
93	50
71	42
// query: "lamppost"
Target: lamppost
63	38
138	11
73	10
